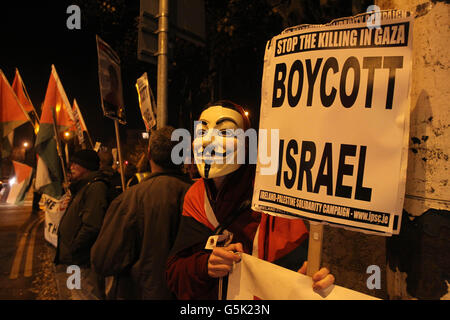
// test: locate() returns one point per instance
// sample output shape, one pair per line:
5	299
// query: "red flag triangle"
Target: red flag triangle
22	171
56	99
21	93
12	114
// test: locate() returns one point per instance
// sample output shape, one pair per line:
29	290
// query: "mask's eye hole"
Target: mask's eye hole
201	132
226	133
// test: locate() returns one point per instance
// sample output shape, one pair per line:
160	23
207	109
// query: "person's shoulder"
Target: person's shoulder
195	191
172	178
99	181
197	184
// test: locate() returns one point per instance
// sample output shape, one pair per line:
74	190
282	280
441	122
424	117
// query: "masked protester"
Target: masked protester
220	203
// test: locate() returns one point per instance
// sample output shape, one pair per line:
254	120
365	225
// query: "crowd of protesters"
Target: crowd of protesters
149	241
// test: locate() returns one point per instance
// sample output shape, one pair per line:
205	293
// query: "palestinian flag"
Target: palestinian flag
23	178
22	95
12	114
49	175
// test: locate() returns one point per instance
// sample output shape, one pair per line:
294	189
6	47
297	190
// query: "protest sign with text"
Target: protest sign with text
54	210
339	95
110	80
146	102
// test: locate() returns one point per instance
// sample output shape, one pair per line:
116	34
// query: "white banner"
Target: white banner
80	126
253	278
339	96
54	210
146	102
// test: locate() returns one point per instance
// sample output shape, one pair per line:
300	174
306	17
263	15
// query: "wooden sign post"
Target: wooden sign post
314	247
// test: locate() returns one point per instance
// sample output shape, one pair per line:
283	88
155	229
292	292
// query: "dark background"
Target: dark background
34	36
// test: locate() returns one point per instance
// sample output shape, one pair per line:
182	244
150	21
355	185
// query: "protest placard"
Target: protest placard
110	81
146	102
339	96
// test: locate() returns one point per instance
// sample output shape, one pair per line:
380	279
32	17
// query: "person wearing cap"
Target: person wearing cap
81	223
106	168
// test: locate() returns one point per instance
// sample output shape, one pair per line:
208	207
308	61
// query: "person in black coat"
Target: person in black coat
81	223
140	227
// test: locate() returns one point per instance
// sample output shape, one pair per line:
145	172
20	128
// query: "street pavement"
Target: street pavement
26	268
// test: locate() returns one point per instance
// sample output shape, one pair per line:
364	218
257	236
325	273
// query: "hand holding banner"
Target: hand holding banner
255	278
54	210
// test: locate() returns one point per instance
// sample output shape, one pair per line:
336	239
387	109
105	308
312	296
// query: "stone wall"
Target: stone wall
416	263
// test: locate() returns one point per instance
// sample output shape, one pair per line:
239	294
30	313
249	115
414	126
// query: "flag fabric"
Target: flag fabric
22	95
23	178
12	114
49	175
253	278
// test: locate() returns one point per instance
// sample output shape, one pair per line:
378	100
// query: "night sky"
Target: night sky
34	36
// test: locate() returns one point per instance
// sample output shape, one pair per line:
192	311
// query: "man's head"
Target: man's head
160	148
82	163
215	143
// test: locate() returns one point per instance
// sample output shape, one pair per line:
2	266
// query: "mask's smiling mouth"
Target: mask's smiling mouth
212	152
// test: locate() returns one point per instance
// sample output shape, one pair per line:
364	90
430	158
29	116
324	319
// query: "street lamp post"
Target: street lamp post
163	40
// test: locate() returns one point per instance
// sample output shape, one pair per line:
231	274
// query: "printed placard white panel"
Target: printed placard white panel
339	96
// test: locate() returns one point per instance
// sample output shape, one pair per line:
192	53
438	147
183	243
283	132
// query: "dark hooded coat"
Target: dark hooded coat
138	233
81	223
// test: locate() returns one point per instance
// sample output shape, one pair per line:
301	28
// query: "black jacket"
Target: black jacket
81	223
139	230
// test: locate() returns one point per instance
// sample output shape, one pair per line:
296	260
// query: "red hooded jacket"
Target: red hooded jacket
275	239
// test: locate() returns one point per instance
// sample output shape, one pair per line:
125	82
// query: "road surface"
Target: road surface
26	269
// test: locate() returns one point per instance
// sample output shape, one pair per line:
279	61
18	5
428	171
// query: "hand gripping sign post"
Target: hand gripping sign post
339	96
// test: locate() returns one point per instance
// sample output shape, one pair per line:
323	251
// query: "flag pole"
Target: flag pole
58	148
119	151
90	140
